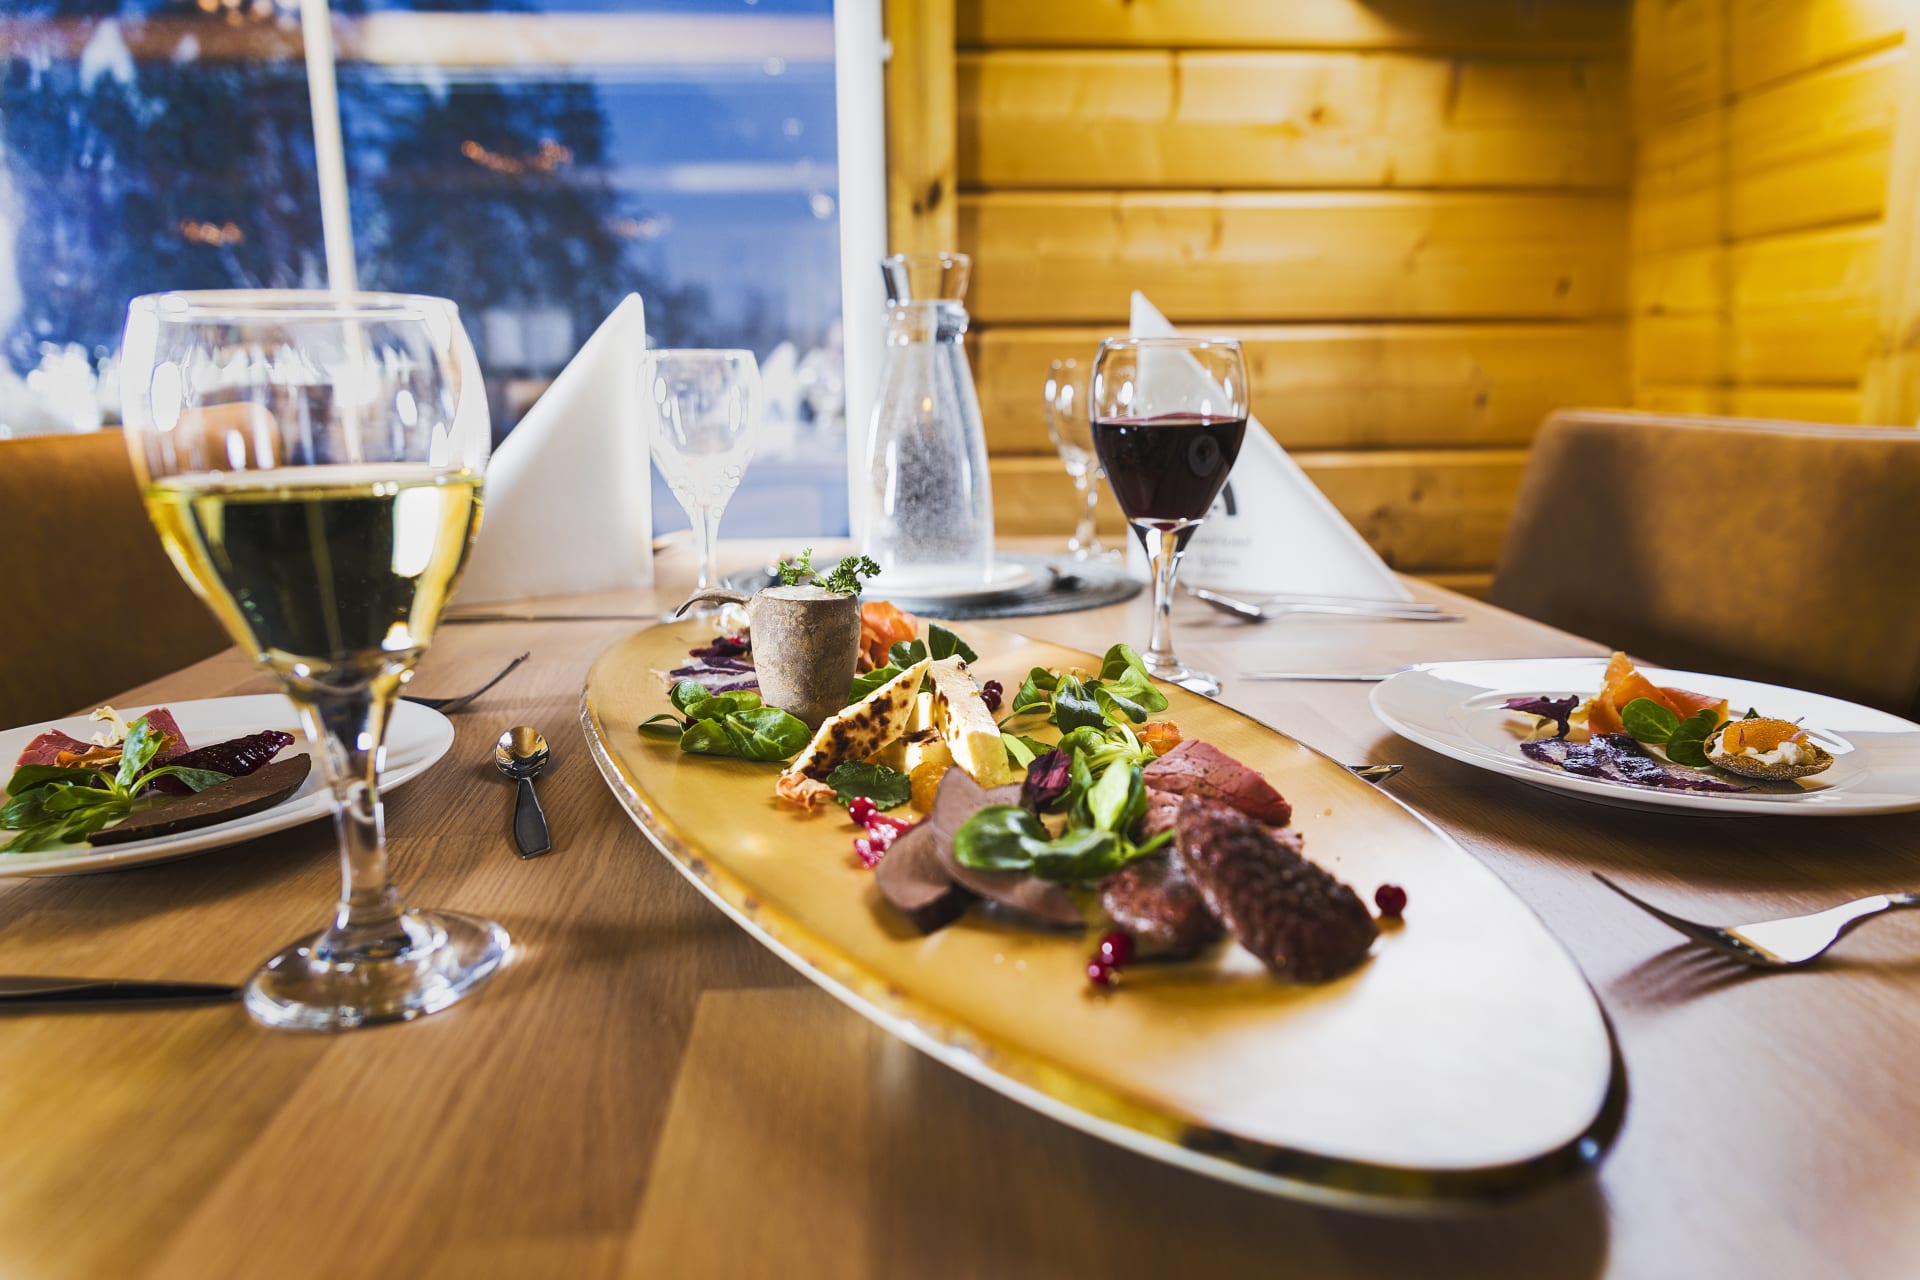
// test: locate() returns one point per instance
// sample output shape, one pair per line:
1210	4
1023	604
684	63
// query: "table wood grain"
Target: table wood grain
646	1092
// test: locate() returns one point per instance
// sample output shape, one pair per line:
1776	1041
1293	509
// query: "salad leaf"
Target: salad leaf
1687	745
1124	677
1020	751
29	776
1035	691
995	839
887	788
664	725
707	738
942	643
1648	721
905	653
765	733
142	744
1107	800
1074	707
1087	854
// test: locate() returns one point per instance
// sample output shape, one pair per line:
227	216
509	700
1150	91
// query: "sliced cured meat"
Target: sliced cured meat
913	878
911	890
1196	768
160	720
1299	920
1154	900
46	749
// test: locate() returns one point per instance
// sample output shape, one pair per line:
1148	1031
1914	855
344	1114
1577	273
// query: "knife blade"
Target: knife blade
18	992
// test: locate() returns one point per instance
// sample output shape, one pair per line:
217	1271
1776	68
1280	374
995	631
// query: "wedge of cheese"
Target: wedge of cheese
856	732
966	726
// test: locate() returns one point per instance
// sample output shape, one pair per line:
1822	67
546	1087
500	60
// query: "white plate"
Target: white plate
416	738
1456	708
1005	579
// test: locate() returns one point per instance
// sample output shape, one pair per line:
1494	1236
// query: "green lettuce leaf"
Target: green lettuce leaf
887	788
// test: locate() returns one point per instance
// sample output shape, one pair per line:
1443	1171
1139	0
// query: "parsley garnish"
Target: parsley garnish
845	579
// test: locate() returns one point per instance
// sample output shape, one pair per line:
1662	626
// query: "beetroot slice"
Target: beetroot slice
236	757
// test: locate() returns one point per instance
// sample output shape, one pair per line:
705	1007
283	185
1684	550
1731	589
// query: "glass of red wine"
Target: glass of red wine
1168	417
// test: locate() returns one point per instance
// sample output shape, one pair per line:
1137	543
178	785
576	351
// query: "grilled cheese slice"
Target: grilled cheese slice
856	732
966	726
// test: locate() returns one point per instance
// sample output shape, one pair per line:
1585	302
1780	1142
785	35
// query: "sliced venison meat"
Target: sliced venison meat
1196	768
911	889
1155	901
913	878
1300	921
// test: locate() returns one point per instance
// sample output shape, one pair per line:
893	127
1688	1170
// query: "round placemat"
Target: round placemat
1060	584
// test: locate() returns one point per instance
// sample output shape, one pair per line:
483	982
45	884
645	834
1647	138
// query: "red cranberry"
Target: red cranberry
862	810
1391	899
1102	974
992	694
1116	949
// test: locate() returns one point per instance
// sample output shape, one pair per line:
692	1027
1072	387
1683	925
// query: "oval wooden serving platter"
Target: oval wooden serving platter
1466	1060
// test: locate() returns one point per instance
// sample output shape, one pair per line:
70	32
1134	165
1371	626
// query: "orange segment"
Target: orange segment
1603	716
1761	735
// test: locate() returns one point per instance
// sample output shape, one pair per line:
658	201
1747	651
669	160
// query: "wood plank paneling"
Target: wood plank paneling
1074	257
922	173
1506	26
1440	509
1349	386
1769	40
1042	119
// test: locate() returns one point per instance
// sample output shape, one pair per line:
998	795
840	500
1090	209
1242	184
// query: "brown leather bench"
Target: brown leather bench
1777	551
92	604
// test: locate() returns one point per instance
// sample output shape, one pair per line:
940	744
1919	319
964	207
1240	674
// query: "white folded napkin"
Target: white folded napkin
1272	531
569	505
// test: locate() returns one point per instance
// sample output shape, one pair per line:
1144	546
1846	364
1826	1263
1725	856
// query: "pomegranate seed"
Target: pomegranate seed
862	810
1116	949
869	856
992	694
1391	899
1101	974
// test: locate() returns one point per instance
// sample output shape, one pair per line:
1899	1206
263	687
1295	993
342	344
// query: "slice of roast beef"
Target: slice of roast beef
1300	921
1154	900
1196	768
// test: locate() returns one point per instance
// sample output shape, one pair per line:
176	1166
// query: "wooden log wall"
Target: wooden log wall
1413	211
1763	281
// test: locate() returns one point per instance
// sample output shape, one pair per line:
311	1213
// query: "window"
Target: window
535	160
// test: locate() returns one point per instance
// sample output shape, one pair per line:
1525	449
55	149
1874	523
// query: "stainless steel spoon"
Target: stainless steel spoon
521	754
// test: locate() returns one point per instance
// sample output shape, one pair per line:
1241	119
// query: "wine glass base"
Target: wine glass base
302	990
1204	683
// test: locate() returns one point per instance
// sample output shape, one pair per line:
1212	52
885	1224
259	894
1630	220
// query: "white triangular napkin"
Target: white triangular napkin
1272	531
569	506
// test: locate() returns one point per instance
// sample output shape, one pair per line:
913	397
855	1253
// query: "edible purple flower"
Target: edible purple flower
1557	710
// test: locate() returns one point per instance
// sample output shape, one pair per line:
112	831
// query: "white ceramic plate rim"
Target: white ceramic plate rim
416	739
1877	769
1007	578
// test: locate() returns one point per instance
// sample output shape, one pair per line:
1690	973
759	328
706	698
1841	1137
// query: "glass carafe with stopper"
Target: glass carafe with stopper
928	515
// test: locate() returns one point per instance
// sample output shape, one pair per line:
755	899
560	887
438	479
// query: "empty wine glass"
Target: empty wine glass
313	464
703	411
1168	418
1072	434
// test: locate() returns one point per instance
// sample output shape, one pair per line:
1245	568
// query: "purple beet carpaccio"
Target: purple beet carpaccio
236	757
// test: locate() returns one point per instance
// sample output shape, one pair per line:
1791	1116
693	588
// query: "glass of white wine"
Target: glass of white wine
313	464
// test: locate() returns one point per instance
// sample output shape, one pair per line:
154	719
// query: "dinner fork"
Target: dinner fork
1777	944
445	705
1267	611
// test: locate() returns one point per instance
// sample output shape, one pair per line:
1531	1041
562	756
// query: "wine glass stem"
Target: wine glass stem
706	544
349	728
1083	533
1166	562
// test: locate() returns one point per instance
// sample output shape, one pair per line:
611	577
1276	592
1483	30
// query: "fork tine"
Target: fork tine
454	704
1706	935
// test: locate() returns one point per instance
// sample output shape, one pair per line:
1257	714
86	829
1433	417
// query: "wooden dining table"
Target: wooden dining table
646	1091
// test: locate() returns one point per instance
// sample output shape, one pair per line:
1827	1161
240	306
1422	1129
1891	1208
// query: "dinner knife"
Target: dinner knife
73	992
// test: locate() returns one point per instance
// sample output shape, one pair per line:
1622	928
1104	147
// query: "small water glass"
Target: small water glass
703	411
